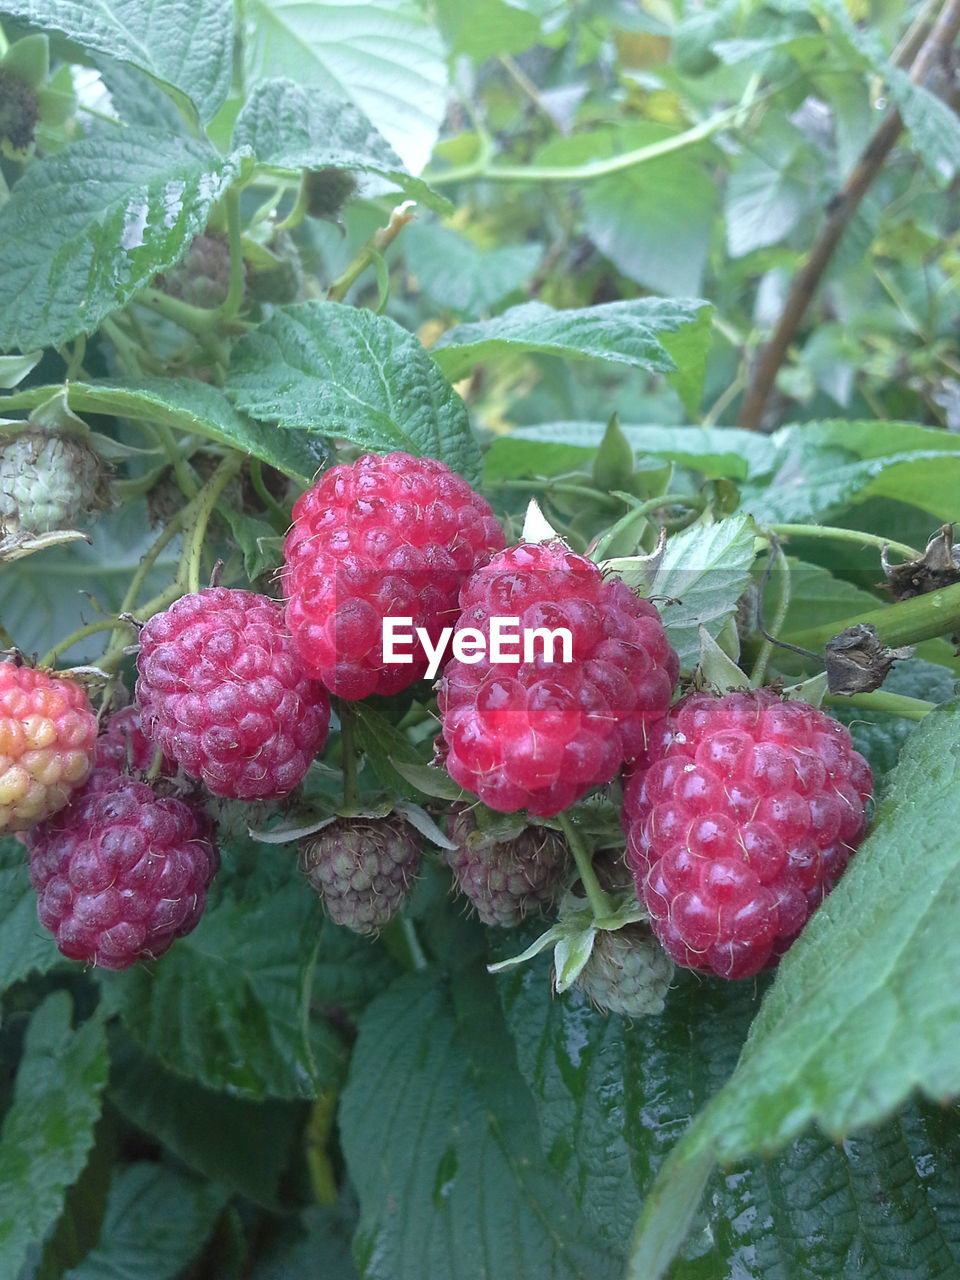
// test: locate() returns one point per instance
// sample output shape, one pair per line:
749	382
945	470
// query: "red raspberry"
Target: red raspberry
121	873
382	537
47	732
222	693
740	819
540	735
123	748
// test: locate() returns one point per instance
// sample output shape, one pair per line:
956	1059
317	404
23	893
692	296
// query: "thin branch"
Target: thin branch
839	214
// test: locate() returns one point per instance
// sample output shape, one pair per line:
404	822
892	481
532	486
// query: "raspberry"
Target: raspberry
362	868
123	748
506	879
121	873
19	114
327	191
202	276
222	693
47	734
382	537
47	480
628	972
539	735
739	821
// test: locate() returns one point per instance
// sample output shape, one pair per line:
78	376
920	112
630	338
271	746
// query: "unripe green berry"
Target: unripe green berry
47	480
628	972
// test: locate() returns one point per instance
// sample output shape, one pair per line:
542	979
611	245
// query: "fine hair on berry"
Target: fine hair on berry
740	819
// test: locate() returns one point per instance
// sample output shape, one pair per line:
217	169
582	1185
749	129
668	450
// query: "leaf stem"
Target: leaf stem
49	659
758	674
894	704
638	510
348	756
558	486
599	902
378	244
232	303
203	507
281	518
844	535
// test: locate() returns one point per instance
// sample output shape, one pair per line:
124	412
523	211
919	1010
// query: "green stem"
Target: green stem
378	244
558	486
909	622
202	509
195	320
758	674
149	559
182	470
599	902
49	659
281	518
297	213
894	704
348	756
232	303
844	535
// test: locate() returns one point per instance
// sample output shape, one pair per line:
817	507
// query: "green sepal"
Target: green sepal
29	59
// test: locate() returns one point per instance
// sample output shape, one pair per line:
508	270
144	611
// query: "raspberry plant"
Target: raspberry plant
636	960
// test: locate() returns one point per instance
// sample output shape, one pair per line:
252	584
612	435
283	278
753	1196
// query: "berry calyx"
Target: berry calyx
740	819
121	873
221	693
392	536
362	868
508	878
47	734
541	734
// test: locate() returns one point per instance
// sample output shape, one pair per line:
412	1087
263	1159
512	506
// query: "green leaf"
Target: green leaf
864	1009
654	220
557	447
246	1146
385	746
25	947
486	28
84	230
638	332
48	1130
289	128
226	1007
458	276
346	372
316	1242
769	191
443	1148
157	1220
381	55
704	571
187	405
151	36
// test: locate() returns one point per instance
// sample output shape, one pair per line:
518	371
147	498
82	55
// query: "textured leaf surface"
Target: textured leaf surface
151	34
246	1146
187	405
225	1007
635	332
25	947
83	230
381	55
704	571
289	128
340	371
157	1220
48	1130
865	1008
443	1147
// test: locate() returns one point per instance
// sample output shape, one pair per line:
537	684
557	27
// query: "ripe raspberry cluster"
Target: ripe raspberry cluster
541	734
740	818
381	537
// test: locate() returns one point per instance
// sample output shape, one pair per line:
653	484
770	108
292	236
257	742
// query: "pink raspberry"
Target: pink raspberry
222	693
382	537
741	818
47	732
539	735
121	873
